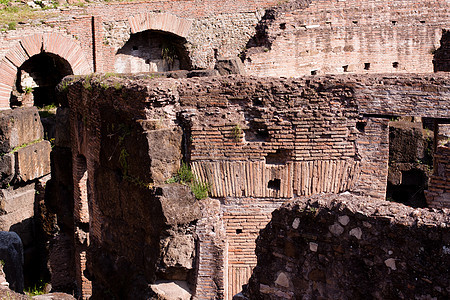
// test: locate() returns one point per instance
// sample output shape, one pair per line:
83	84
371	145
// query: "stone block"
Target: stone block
62	131
7	168
178	204
17	200
33	161
18	127
17	209
164	147
167	290
227	66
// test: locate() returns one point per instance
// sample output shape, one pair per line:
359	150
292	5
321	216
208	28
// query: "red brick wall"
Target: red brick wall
438	194
391	36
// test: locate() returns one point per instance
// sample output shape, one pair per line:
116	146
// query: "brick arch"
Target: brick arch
160	21
54	43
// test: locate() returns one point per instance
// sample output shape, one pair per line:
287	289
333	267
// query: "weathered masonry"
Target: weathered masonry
292	38
256	141
347	246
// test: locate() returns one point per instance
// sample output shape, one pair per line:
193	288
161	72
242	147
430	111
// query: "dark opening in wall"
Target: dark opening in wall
410	161
345	68
366	66
422	21
394	22
361	126
280	157
395	64
152	51
238	231
257	132
283	26
355	22
39	76
313	72
274	184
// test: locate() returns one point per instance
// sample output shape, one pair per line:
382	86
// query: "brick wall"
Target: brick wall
438	194
257	141
329	36
302	37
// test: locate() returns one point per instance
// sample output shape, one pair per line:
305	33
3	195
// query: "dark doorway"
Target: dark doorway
152	51
39	76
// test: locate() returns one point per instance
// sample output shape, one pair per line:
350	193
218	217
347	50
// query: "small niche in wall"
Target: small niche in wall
345	68
313	72
355	22
394	22
361	126
274	184
395	64
280	157
366	66
422	21
238	231
256	132
283	26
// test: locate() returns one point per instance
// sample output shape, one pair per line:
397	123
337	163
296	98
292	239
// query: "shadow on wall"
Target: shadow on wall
152	51
441	59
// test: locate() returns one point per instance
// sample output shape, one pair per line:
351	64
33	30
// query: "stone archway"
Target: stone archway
162	22
157	44
54	43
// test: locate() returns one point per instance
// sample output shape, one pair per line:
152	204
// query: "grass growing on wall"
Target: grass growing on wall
186	176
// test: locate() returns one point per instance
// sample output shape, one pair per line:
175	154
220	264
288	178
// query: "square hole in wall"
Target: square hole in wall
345	68
394	22
274	184
395	64
313	72
283	26
238	231
366	66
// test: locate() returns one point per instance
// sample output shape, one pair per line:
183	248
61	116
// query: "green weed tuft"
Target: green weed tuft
186	176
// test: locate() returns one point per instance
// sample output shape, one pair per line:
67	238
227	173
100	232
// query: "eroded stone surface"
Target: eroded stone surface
402	247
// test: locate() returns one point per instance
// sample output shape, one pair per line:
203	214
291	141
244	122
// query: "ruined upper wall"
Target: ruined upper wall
292	38
329	36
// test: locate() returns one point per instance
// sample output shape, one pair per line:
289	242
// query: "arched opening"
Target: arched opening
37	78
152	51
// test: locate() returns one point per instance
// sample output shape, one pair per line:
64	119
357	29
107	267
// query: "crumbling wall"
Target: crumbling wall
347	246
441	58
24	166
287	38
256	141
438	194
318	37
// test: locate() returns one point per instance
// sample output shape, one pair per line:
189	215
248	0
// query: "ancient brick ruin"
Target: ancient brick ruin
257	142
346	246
358	103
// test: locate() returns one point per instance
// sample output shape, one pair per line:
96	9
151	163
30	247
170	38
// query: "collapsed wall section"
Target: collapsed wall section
347	246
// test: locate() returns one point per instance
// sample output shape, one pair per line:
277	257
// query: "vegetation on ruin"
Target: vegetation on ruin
186	176
14	12
38	288
237	132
